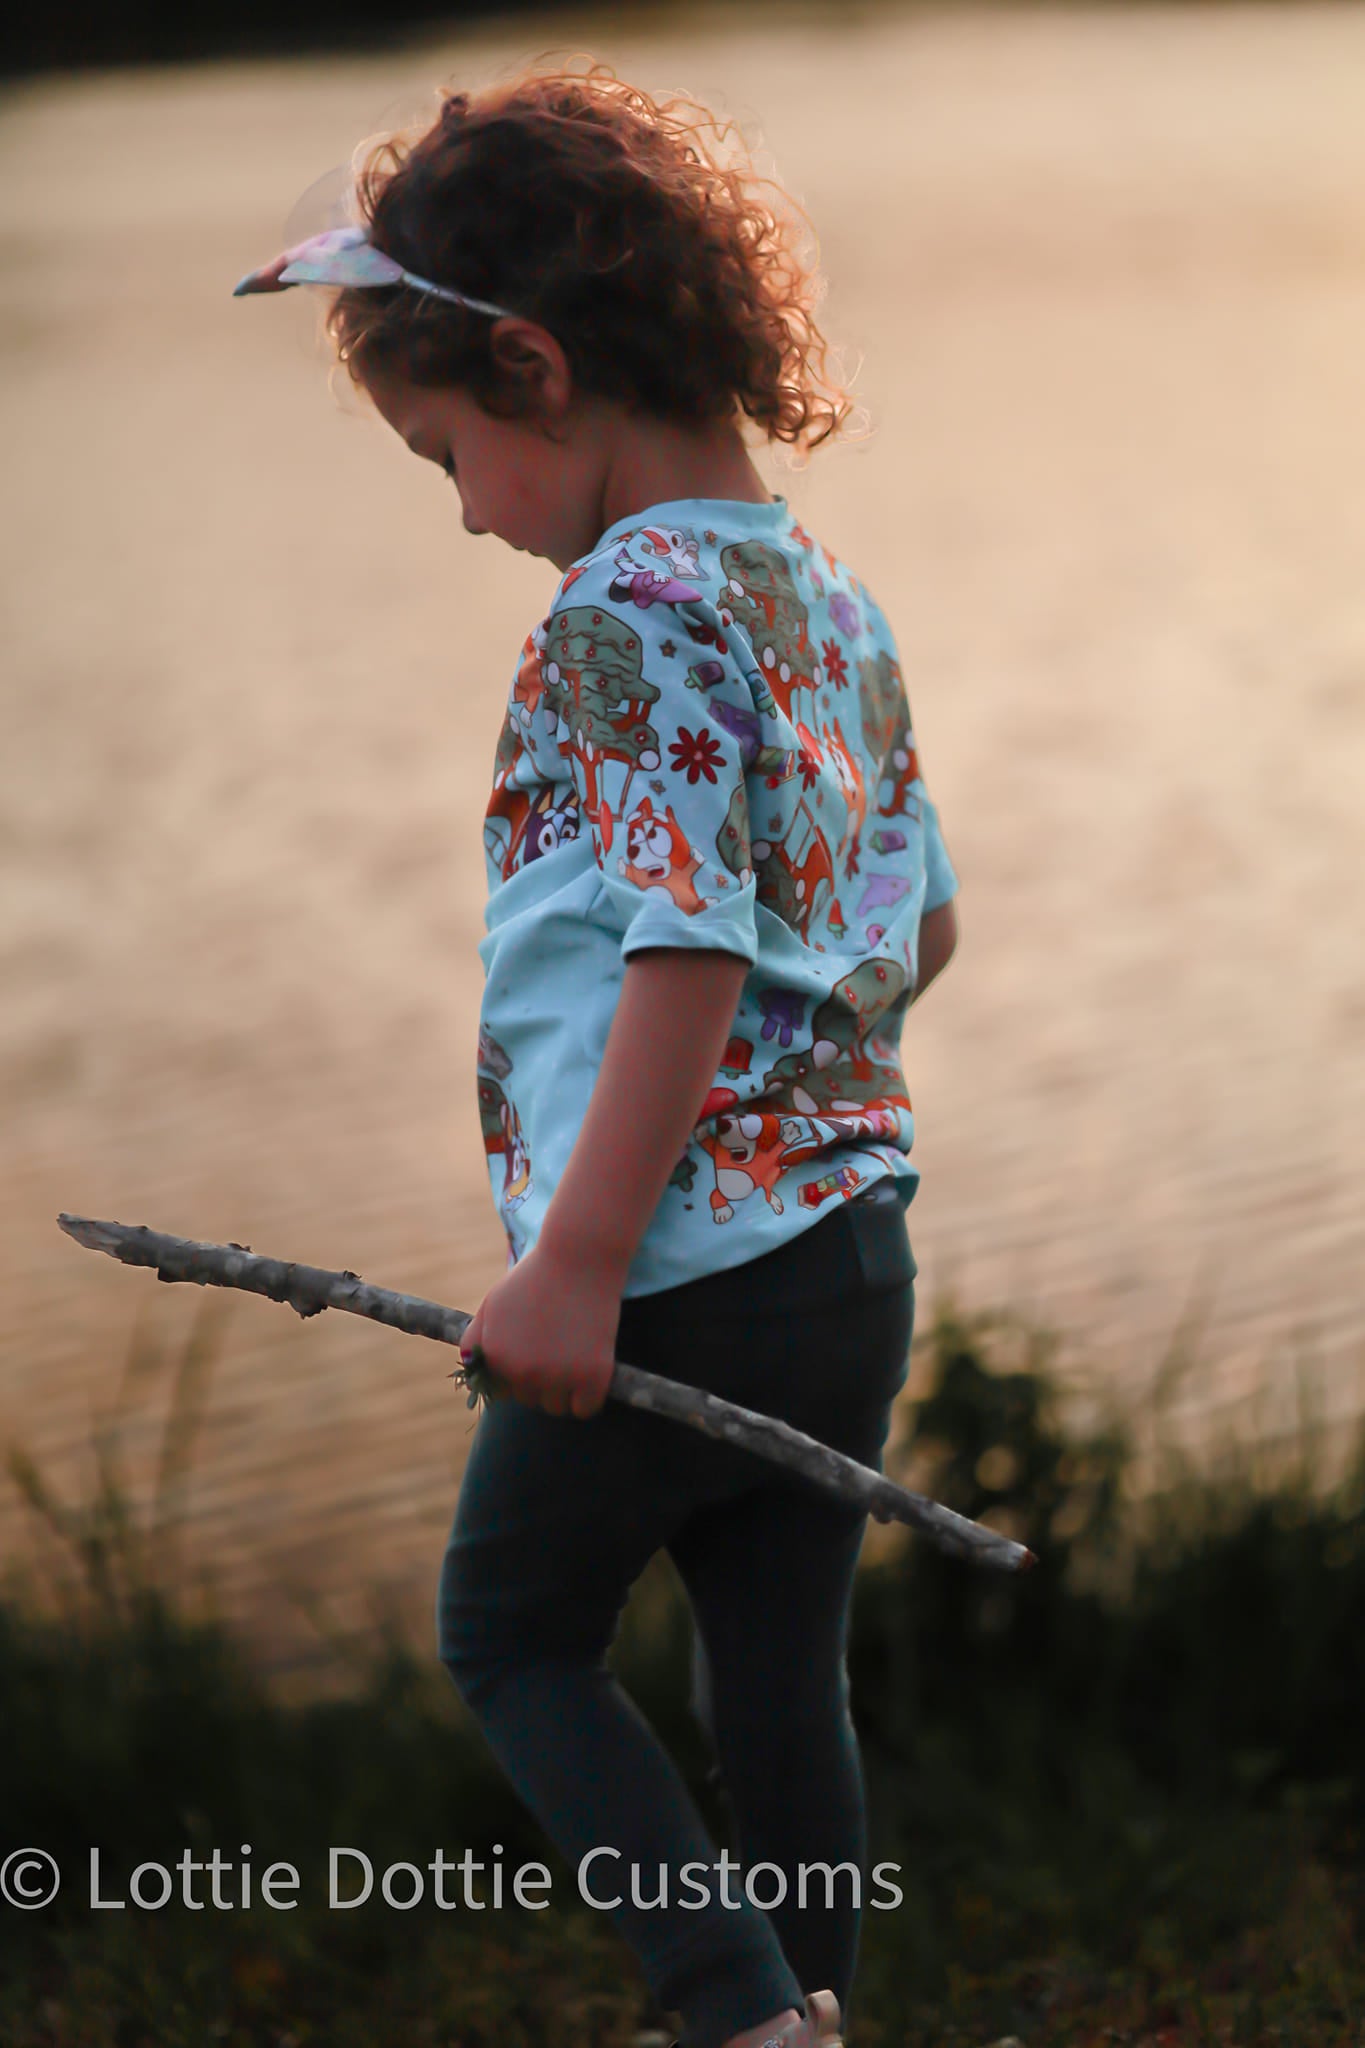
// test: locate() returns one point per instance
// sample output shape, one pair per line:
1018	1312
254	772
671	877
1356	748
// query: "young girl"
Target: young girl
716	883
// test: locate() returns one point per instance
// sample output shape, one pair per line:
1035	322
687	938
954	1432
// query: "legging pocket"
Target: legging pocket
876	1222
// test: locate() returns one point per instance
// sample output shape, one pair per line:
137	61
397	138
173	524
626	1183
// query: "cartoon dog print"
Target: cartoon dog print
516	1160
551	821
751	1149
490	1056
528	690
499	1122
658	856
853	788
676	546
643	587
747	1155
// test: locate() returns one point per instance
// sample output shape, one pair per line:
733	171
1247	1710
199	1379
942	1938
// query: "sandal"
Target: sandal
819	2029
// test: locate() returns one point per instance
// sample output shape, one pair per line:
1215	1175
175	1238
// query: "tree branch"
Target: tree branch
310	1289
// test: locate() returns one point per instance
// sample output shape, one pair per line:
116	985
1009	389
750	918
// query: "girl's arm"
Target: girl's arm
548	1329
936	944
675	1014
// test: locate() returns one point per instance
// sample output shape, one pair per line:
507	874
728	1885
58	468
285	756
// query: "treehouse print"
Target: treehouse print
528	688
509	801
520	824
887	735
796	873
811	1137
763	599
596	685
500	1124
732	840
852	1062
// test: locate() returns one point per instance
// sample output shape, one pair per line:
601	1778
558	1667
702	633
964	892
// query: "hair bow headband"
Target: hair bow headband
346	256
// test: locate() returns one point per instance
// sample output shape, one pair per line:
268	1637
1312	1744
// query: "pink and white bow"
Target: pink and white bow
346	256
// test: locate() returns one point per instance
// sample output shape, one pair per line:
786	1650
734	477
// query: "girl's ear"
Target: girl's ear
530	356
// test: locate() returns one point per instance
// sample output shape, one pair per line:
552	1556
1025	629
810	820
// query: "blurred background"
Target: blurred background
1102	271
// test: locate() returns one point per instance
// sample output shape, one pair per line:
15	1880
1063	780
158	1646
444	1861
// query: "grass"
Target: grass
1125	1790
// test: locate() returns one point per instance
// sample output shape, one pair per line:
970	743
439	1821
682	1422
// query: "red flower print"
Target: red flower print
836	668
695	752
808	765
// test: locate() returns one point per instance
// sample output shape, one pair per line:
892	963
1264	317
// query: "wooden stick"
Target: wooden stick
310	1289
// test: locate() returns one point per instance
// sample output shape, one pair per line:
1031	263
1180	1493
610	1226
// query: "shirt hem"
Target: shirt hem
750	1251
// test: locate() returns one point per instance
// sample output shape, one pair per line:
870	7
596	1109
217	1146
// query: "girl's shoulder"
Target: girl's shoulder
703	542
720	563
644	571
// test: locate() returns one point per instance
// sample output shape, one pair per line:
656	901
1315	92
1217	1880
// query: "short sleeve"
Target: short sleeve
656	723
941	882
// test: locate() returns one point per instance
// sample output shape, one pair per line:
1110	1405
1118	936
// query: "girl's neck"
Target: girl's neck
656	461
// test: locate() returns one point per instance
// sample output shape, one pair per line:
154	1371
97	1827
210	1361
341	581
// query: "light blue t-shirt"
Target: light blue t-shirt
707	743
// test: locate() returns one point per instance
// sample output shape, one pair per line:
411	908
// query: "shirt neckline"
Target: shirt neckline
698	512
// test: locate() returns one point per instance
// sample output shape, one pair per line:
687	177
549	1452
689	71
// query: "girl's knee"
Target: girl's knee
466	1626
482	1641
472	1662
775	1725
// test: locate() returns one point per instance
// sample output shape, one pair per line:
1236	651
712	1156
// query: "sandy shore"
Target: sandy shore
1108	275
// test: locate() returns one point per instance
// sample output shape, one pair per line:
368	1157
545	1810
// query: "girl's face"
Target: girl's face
535	493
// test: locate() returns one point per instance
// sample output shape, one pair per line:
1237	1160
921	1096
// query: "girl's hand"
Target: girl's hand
548	1332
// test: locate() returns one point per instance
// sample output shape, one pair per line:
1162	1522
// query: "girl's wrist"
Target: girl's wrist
577	1246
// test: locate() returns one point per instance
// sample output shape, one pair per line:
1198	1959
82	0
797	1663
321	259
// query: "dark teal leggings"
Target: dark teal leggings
558	1517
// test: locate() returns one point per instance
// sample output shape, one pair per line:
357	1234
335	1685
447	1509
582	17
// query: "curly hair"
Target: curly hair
620	224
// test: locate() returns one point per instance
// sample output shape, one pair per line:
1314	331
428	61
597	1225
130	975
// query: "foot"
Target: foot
819	2028
773	2033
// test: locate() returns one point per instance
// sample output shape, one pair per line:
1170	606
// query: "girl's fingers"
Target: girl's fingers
470	1342
534	1387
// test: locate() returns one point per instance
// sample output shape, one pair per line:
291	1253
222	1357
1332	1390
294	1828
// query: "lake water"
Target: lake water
1107	274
